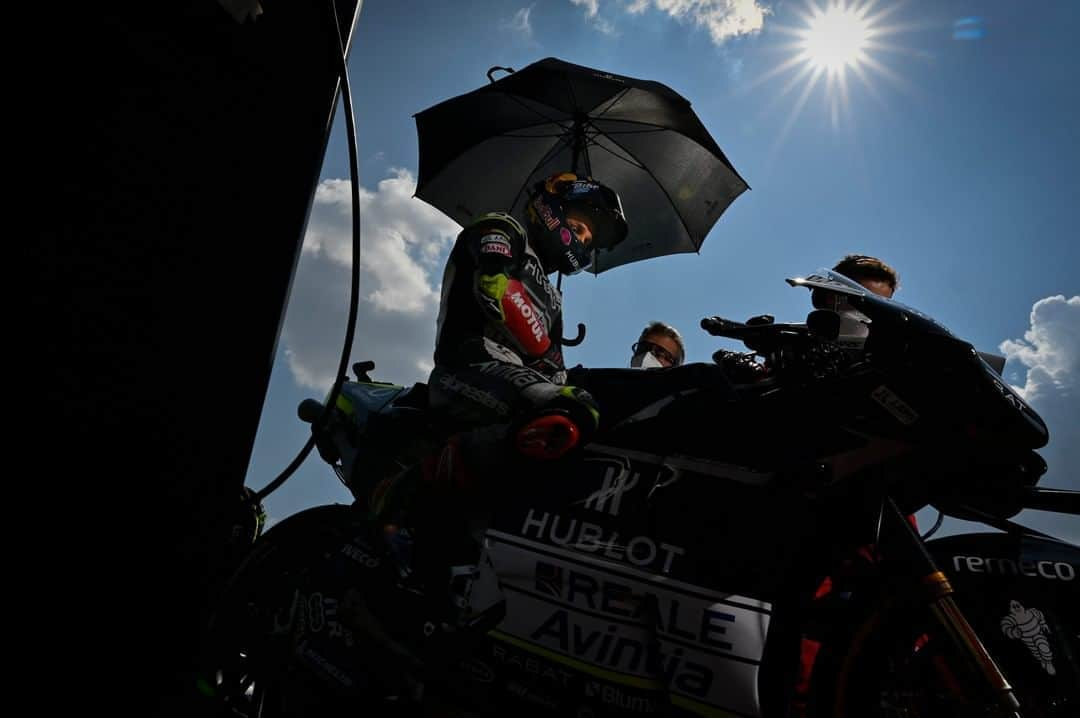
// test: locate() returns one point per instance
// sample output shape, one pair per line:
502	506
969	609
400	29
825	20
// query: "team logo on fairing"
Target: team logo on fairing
360	555
670	617
530	664
1050	570
690	641
617	481
640	551
627	654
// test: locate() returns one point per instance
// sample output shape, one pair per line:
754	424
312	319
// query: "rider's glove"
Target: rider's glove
563	420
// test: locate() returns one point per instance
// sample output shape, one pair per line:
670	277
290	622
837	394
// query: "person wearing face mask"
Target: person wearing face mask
872	273
660	345
875	276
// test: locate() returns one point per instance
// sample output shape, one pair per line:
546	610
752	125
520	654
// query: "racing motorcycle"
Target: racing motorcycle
721	548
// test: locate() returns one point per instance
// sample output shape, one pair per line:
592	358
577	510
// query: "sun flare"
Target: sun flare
836	38
835	43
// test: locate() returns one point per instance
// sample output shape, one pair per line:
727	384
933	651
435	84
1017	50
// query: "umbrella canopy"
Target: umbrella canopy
483	151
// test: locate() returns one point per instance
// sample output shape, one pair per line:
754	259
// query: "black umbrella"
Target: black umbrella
482	151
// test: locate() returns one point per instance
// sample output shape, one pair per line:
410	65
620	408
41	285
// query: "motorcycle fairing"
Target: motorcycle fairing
872	304
614	598
1021	595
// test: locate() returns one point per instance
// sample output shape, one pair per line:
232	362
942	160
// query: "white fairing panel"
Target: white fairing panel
639	638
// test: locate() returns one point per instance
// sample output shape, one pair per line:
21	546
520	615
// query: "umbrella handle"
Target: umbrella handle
576	340
508	70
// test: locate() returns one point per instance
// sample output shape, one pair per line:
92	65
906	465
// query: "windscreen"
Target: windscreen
873	305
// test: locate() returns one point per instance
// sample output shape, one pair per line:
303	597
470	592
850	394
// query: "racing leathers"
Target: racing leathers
498	358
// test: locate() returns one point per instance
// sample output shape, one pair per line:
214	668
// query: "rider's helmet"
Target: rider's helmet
562	194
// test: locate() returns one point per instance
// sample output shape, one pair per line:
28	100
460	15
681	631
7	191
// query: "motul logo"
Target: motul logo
529	314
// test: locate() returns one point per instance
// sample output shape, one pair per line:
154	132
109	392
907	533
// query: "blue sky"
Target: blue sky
953	156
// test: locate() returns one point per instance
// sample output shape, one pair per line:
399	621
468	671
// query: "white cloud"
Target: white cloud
521	23
605	26
1050	350
722	18
404	243
592	7
592	14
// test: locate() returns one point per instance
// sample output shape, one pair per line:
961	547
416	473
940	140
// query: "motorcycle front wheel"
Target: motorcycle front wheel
897	664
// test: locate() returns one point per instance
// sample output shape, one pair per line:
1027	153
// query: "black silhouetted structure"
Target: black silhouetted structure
175	153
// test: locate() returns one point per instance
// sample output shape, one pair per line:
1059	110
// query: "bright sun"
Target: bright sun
836	38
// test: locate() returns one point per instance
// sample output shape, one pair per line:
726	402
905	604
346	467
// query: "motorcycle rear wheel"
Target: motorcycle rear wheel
258	646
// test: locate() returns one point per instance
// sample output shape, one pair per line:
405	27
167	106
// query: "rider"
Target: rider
499	378
498	355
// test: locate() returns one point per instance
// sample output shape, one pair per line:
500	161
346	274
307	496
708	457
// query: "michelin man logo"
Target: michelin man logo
1029	626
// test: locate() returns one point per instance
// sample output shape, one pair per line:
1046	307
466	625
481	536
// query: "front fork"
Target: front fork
934	588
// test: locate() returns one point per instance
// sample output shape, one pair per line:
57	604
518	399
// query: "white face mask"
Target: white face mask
645	360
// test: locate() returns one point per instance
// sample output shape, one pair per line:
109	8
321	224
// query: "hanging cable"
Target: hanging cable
354	289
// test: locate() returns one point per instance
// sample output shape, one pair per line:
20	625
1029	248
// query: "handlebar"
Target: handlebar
760	334
720	327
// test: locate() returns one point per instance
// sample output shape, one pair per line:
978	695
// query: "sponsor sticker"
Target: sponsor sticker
495	244
640	551
625	700
894	405
692	641
1051	570
546	216
618	480
581	187
477	670
531	665
1028	625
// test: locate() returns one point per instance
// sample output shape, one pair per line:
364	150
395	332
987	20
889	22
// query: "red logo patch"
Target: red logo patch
495	244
